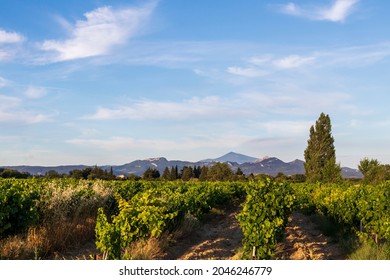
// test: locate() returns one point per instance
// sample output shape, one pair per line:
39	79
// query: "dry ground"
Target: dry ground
219	237
304	241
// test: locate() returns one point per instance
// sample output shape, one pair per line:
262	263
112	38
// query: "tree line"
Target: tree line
217	172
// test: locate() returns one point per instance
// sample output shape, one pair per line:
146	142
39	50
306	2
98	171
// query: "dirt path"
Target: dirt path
218	238
305	242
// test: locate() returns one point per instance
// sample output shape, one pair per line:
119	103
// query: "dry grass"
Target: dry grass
185	228
148	249
68	220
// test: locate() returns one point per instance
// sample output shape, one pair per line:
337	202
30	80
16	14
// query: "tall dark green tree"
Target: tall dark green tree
187	173
166	174
320	154
204	173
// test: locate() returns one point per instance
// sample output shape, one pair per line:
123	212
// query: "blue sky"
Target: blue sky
109	82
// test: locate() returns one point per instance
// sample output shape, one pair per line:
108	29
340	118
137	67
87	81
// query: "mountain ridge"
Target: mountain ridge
266	165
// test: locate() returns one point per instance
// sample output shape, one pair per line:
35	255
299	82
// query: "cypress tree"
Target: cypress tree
173	176
166	174
320	154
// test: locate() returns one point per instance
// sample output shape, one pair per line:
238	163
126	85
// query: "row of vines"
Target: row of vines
126	211
155	207
363	209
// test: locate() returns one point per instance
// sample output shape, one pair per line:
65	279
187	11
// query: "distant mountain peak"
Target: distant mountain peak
248	165
232	157
156	159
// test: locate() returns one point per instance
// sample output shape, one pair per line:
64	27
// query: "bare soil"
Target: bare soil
304	241
218	237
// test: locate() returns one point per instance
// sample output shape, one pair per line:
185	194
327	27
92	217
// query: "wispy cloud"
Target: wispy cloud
118	143
12	111
293	61
263	66
280	127
10	37
250	72
297	101
205	107
338	11
7	42
248	106
102	30
35	92
3	82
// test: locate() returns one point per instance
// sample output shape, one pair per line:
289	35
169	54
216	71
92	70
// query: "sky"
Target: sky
108	82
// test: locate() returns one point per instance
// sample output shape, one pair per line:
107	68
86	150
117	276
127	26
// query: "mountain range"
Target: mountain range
268	165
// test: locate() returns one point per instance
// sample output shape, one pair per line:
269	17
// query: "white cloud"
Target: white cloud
293	61
12	111
260	60
118	143
10	37
7	43
298	102
210	106
3	82
286	127
102	30
35	92
263	66
291	9
338	11
250	72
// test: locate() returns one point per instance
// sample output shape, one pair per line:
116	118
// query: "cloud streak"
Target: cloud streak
249	72
7	42
12	111
263	66
118	143
337	12
34	92
101	30
196	107
10	37
293	61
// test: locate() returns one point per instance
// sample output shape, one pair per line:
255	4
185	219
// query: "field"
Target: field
88	219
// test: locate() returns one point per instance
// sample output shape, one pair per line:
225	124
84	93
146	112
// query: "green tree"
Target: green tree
166	174
220	172
53	174
320	154
151	174
372	170
197	171
187	173
10	173
204	173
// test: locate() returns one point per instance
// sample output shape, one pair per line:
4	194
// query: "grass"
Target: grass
352	247
67	220
371	251
148	249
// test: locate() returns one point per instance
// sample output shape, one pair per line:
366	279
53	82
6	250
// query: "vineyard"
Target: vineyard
39	217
